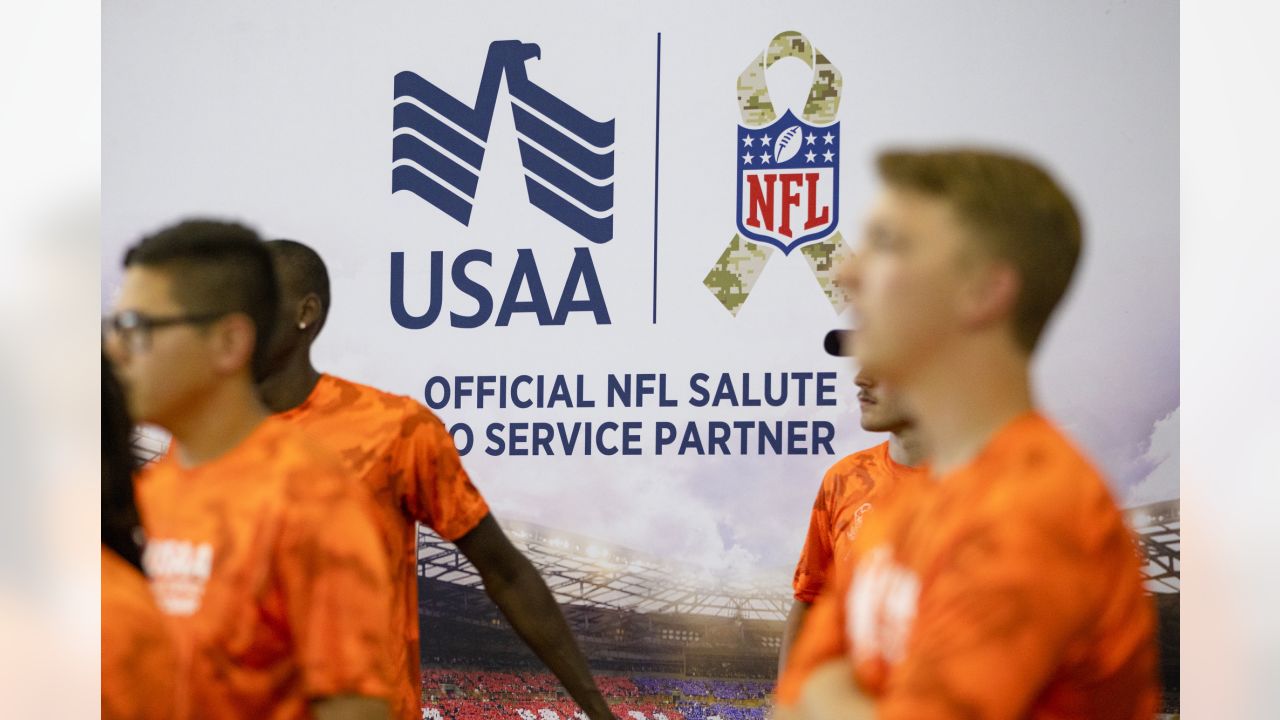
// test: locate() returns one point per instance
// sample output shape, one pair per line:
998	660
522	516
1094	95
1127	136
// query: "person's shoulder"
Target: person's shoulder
861	470
278	445
1037	448
157	473
302	468
407	410
864	459
856	477
126	596
1047	479
119	578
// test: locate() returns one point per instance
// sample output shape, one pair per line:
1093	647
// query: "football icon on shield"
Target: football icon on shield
788	182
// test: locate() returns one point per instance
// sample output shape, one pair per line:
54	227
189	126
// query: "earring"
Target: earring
302	326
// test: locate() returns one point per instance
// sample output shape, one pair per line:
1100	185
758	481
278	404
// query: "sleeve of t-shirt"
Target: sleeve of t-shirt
993	624
337	592
822	638
437	490
817	555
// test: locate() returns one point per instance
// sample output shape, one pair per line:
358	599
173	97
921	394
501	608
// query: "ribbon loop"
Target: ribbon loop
824	93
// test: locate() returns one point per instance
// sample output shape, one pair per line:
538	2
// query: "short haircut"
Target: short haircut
301	270
119	514
218	267
1016	211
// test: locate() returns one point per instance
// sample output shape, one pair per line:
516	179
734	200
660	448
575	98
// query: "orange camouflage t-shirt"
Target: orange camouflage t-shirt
269	567
849	489
407	458
137	654
1009	588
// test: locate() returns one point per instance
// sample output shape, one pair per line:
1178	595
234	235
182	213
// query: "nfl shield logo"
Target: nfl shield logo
788	182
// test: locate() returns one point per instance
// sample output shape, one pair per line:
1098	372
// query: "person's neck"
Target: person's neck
966	397
906	447
221	420
290	385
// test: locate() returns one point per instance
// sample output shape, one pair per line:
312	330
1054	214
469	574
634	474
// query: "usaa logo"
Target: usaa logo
438	150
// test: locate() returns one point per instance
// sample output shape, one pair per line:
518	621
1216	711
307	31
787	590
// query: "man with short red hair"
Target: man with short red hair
1007	584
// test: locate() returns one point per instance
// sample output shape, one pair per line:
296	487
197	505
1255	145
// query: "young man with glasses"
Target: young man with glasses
266	562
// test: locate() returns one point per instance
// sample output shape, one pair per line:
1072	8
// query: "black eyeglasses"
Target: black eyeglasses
134	328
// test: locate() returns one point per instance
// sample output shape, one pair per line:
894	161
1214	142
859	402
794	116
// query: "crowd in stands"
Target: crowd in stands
718	689
699	711
449	694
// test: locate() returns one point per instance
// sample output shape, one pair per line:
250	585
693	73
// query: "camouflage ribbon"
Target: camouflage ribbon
735	273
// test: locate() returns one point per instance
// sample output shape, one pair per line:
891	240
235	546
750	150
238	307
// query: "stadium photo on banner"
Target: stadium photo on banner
727	362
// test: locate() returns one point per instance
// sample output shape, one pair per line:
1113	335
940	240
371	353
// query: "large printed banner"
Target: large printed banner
598	239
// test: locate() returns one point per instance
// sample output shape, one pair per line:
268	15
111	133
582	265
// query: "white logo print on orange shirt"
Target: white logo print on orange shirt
881	607
178	570
858	516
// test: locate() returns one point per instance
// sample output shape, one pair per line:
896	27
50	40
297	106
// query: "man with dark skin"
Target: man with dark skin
407	457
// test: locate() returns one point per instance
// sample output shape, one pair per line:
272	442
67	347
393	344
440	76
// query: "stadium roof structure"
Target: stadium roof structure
586	572
1159	531
589	573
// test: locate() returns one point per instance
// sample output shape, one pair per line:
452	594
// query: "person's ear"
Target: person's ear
310	312
991	294
231	343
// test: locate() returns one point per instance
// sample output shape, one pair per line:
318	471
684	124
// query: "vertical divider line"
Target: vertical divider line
657	134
